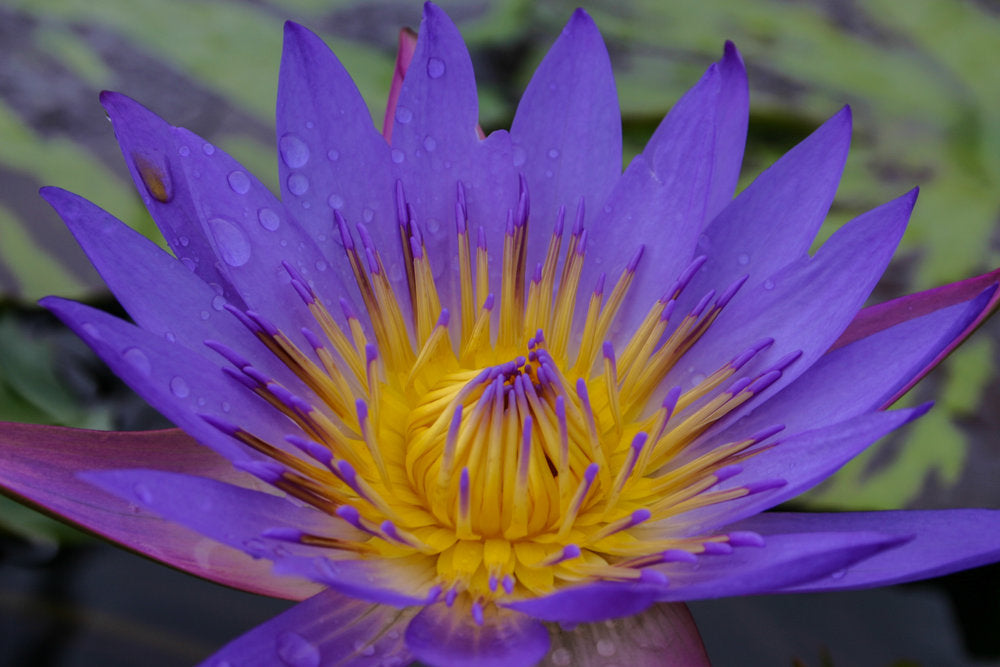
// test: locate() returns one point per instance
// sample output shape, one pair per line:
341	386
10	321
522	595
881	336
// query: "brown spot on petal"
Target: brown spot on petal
156	178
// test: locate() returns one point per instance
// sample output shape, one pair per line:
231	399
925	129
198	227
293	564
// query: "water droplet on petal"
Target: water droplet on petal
743	259
269	220
233	245
397	155
184	151
138	360
205	314
226	407
518	156
548	173
561	656
433	225
403	115
553	153
294	151
839	574
143	493
218	302
179	387
208	149
606	647
295	650
239	182
435	68
188	262
170	337
368	215
430	143
768	284
335	201
298	183
333	155
320	265
184	241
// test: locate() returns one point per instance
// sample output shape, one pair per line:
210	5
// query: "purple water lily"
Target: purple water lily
450	388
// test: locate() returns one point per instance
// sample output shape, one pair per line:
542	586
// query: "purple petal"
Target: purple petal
442	635
590	602
861	376
394	582
233	515
181	384
435	146
803	461
663	634
786	560
39	464
222	222
774	221
943	541
327	142
730	131
567	131
805	306
328	628
883	315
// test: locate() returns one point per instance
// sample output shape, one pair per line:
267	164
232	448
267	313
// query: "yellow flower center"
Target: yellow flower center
504	453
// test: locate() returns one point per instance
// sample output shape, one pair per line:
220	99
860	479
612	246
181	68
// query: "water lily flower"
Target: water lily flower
461	393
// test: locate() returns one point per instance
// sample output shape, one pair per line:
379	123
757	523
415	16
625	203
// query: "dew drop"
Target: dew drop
548	173
92	331
232	243
239	182
294	151
208	149
606	647
333	155
433	225
403	115
179	387
226	407
295	650
335	201
184	151
368	215
430	143
397	155
205	314
298	183
839	574
561	656
201	401
138	360
143	493
170	337
518	156
768	284
435	68
553	153
184	241
320	265
188	262
743	259
268	219
218	302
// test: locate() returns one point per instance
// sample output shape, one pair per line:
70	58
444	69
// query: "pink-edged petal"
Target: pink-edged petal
591	602
802	461
181	384
940	542
327	629
884	315
40	464
861	376
331	157
404	56
441	635
805	306
785	560
567	131
223	223
663	634
436	147
774	221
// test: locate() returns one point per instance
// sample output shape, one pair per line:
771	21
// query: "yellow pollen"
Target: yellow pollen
503	450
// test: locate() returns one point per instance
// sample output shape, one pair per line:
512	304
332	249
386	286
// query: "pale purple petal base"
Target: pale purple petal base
442	635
